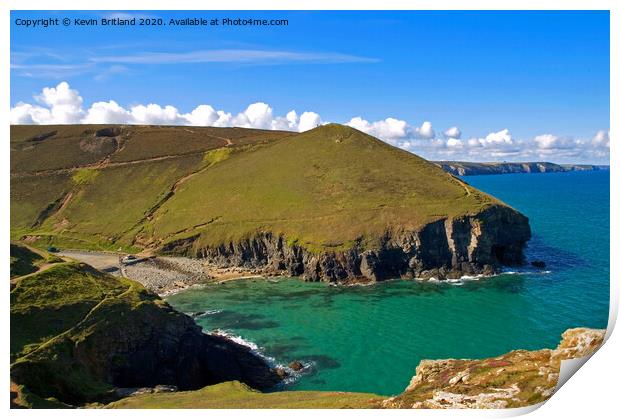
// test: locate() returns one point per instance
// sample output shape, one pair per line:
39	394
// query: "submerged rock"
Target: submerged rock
296	366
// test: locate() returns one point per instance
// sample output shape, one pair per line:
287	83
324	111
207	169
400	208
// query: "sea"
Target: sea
371	338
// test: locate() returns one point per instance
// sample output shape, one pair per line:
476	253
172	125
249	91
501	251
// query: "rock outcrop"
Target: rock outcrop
516	379
446	248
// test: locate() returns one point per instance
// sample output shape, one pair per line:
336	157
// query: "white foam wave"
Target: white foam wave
238	339
466	278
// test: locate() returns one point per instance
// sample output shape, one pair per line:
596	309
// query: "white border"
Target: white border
593	393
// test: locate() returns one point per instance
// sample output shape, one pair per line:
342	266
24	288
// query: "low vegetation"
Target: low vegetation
326	189
235	395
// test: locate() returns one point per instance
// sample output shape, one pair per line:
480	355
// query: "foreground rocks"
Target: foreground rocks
516	379
447	248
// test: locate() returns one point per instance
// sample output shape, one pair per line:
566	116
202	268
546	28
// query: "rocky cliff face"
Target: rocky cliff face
446	248
516	379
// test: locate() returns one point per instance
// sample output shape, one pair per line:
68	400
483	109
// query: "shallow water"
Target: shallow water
371	338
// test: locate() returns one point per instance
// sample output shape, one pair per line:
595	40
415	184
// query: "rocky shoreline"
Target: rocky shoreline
447	248
515	379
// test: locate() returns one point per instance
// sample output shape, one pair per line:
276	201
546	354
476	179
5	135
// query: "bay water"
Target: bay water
371	338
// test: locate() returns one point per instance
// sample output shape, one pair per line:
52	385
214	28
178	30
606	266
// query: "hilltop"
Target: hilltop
461	168
331	203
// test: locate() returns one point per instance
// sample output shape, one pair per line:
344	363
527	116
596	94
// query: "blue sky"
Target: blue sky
531	73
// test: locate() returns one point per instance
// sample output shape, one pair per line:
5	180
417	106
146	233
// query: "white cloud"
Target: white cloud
386	129
25	113
452	132
257	115
454	142
63	105
156	115
308	120
106	113
601	139
233	56
426	130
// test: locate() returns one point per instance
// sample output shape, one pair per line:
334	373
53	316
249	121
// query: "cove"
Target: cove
371	338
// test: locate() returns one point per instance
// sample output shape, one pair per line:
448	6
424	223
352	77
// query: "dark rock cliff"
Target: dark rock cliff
446	248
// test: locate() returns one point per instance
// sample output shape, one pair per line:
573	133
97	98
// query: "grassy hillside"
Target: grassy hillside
323	188
133	187
48	310
235	395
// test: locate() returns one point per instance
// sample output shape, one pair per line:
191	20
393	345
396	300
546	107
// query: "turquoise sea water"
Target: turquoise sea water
371	338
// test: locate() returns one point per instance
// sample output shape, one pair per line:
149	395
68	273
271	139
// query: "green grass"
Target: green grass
113	202
47	304
71	309
215	156
327	189
31	195
235	395
84	176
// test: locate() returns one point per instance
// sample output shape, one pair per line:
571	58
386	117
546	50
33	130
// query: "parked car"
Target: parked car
129	259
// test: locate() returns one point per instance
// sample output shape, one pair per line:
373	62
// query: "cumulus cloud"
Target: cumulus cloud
308	120
386	129
57	105
106	113
426	130
63	105
452	132
601	139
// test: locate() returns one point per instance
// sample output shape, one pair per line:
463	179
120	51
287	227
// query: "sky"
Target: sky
451	85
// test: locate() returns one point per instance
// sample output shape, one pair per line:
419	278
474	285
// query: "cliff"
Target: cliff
79	335
329	204
447	248
516	379
460	168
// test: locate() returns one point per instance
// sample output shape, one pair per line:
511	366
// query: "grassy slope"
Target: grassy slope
324	189
110	190
235	395
51	302
71	146
58	308
30	195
